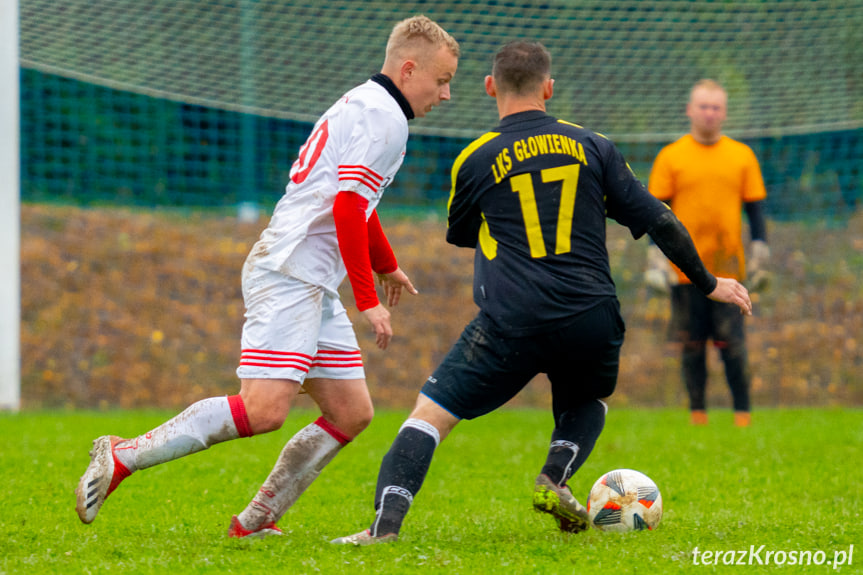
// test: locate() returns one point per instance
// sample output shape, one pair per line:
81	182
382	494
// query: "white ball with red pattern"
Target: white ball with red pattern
624	500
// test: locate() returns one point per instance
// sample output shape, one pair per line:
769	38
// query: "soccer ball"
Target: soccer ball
624	500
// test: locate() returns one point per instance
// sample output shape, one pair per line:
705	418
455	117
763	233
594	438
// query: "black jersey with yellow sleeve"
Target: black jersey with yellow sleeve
532	197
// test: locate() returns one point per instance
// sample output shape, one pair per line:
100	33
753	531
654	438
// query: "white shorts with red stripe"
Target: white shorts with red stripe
295	330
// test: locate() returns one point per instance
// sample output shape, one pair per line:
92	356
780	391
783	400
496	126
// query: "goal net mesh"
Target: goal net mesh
205	104
170	99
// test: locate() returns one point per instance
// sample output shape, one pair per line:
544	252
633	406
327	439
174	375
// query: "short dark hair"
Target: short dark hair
520	67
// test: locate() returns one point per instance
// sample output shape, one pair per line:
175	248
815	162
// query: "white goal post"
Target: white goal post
10	210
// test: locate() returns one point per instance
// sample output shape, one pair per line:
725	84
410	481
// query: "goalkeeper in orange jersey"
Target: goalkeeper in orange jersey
708	179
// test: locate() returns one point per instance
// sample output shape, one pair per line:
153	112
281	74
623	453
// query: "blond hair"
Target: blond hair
707	84
413	37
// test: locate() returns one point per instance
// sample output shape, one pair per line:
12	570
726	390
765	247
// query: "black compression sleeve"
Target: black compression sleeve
757	225
675	242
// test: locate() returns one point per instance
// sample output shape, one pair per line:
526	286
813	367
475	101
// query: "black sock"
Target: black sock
693	364
737	375
402	473
573	439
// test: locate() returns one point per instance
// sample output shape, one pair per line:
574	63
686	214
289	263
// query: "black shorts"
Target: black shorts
485	368
697	318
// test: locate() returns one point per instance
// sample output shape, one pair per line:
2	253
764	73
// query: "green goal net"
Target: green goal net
205	102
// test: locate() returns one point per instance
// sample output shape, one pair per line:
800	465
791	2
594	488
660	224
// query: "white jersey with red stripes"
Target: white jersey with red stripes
358	145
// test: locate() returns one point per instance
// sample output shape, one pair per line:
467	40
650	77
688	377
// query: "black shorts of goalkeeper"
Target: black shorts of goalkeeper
696	318
486	368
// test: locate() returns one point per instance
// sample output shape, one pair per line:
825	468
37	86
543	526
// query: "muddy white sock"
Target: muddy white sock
201	425
300	462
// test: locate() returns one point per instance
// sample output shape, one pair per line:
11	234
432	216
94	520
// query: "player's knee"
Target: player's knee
694	346
361	420
266	422
266	416
600	389
352	422
267	403
733	350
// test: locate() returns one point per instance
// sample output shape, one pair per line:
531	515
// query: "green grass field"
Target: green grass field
791	482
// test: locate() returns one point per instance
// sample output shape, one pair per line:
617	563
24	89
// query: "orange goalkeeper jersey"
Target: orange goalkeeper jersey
706	187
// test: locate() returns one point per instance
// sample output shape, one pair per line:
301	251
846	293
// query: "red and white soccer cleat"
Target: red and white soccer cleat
237	530
102	477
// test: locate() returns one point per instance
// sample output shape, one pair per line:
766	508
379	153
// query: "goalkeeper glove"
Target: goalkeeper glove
759	257
659	275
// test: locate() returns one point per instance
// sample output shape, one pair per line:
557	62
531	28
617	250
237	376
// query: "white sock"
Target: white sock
201	425
300	462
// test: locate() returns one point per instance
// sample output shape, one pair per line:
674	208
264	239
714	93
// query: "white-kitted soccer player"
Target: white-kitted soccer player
297	332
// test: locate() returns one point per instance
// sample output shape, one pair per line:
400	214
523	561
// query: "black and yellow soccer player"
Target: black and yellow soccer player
532	197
